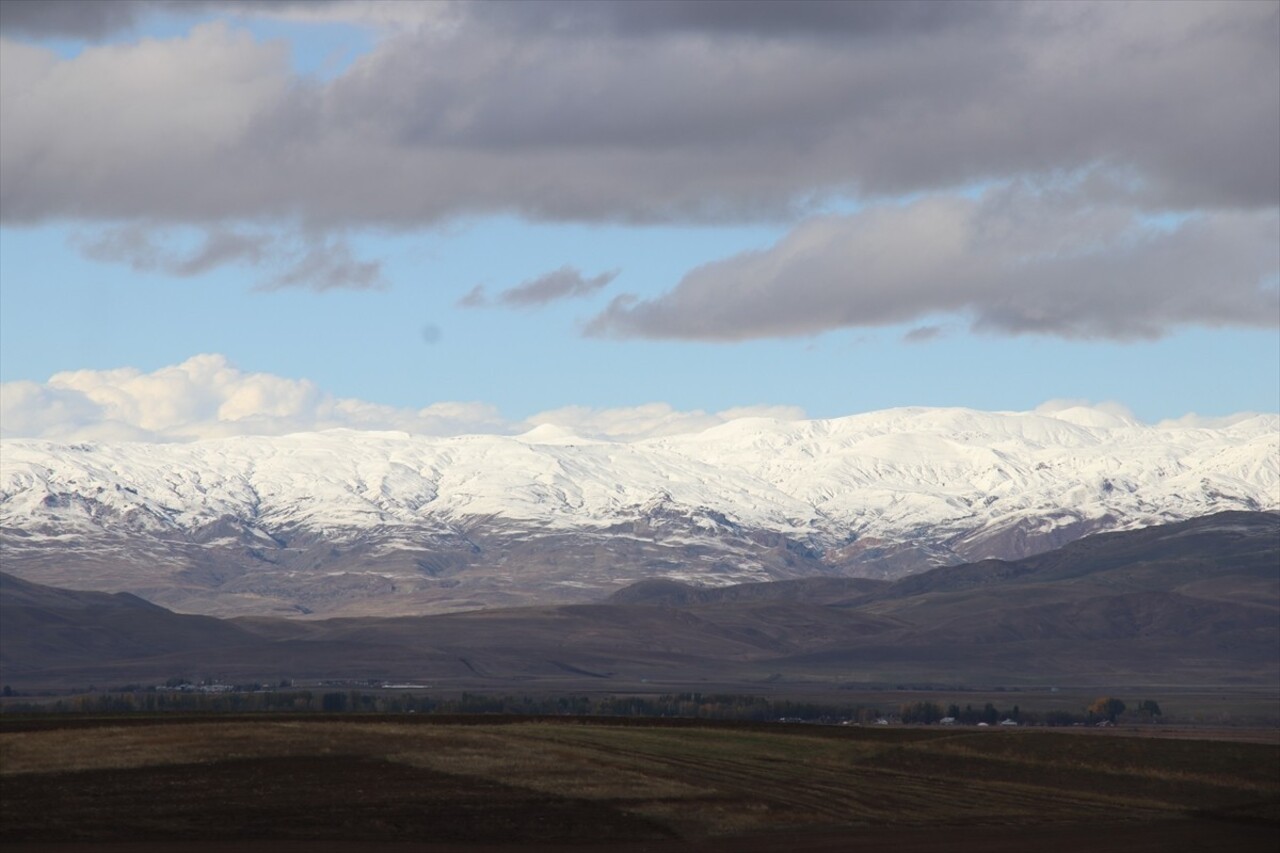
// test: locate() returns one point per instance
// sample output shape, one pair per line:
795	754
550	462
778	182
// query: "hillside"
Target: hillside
1195	603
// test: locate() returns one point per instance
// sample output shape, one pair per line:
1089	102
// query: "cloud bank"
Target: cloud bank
208	397
1016	260
642	112
673	112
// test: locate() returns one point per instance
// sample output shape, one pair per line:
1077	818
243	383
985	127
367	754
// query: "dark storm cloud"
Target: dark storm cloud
1016	261
564	283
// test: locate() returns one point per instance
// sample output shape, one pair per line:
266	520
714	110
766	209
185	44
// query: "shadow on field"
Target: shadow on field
353	798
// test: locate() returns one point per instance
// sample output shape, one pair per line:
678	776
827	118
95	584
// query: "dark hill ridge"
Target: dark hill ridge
43	626
17	592
1164	557
1195	603
1160	557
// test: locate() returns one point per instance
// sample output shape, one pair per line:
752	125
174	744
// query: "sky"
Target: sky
631	219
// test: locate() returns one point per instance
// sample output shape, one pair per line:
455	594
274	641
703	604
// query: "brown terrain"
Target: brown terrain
383	783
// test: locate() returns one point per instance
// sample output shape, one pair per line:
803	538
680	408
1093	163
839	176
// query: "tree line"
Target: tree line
1104	708
710	706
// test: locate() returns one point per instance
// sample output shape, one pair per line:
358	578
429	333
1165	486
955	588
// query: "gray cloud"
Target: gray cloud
920	334
321	261
145	250
328	263
564	283
674	112
637	114
89	19
474	298
224	246
763	18
1020	259
93	20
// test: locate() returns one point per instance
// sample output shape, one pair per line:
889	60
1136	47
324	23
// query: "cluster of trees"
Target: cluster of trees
254	699
159	701
1104	708
928	713
1109	708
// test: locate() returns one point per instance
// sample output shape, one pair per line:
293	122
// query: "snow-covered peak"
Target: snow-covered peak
1092	418
360	522
887	474
554	434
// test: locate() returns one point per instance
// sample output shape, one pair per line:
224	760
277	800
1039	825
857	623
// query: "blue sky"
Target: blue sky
309	190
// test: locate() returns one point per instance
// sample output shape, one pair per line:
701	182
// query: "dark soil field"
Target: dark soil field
490	784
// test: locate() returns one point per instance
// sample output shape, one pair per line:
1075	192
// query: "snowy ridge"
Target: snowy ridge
957	483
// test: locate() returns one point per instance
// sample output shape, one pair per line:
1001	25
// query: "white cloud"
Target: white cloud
1062	404
651	420
28	408
208	397
1191	420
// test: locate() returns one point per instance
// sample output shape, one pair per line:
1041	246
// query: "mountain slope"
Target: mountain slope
383	523
42	626
1194	605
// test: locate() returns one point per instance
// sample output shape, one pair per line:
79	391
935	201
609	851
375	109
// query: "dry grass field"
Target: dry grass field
484	783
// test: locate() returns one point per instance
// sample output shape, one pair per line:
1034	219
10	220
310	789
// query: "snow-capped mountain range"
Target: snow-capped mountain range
346	522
